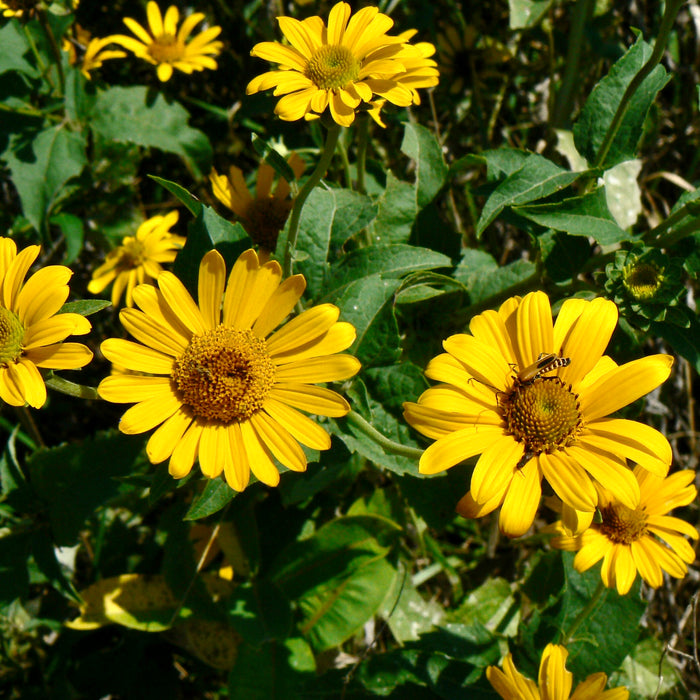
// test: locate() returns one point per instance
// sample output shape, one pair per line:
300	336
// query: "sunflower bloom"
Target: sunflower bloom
529	423
224	386
138	259
645	540
339	67
31	330
264	215
167	47
554	681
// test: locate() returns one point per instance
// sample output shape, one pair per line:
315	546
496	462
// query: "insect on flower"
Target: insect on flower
546	362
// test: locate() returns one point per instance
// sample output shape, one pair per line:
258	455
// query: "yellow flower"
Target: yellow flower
224	387
138	259
264	215
168	48
95	51
17	8
644	539
526	424
339	67
420	70
554	681
31	330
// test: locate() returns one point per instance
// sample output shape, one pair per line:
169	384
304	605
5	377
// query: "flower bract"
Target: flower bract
222	385
167	47
644	540
264	215
32	332
526	424
339	67
138	259
554	682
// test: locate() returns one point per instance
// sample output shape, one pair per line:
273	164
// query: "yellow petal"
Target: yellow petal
302	428
161	444
521	502
212	278
279	441
279	305
149	413
135	357
533	332
259	456
495	468
332	368
133	388
185	452
181	303
456	447
312	399
569	480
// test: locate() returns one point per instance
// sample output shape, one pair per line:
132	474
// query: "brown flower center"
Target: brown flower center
224	375
332	67
543	414
265	218
622	525
132	253
166	49
11	336
643	280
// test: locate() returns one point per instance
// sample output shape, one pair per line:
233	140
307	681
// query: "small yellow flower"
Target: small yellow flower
644	539
526	425
350	62
31	329
224	387
95	51
138	259
17	8
554	681
167	47
264	215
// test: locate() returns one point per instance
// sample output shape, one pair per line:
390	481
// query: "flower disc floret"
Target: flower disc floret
224	375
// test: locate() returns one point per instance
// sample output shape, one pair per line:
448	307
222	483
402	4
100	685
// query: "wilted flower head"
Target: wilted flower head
264	214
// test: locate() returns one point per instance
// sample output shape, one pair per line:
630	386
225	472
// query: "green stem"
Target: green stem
342	151
55	50
571	79
304	192
27	420
78	391
659	237
10	428
671	10
587	611
362	141
356	420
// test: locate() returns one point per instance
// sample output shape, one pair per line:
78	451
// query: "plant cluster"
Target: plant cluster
392	395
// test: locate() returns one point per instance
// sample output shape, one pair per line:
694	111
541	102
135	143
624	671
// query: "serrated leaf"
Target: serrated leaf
133	115
15	46
600	107
685	341
74	480
587	215
536	179
420	144
215	495
41	171
396	213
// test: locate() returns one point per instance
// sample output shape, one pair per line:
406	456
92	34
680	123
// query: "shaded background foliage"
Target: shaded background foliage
356	578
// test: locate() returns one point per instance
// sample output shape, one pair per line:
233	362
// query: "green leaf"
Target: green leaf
274	671
41	171
259	612
420	144
525	14
563	255
73	233
207	231
648	672
15	549
587	215
15	46
329	218
74	480
502	281
193	205
335	610
334	552
84	307
502	162
273	158
396	213
536	179
214	496
134	115
598	112
685	341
